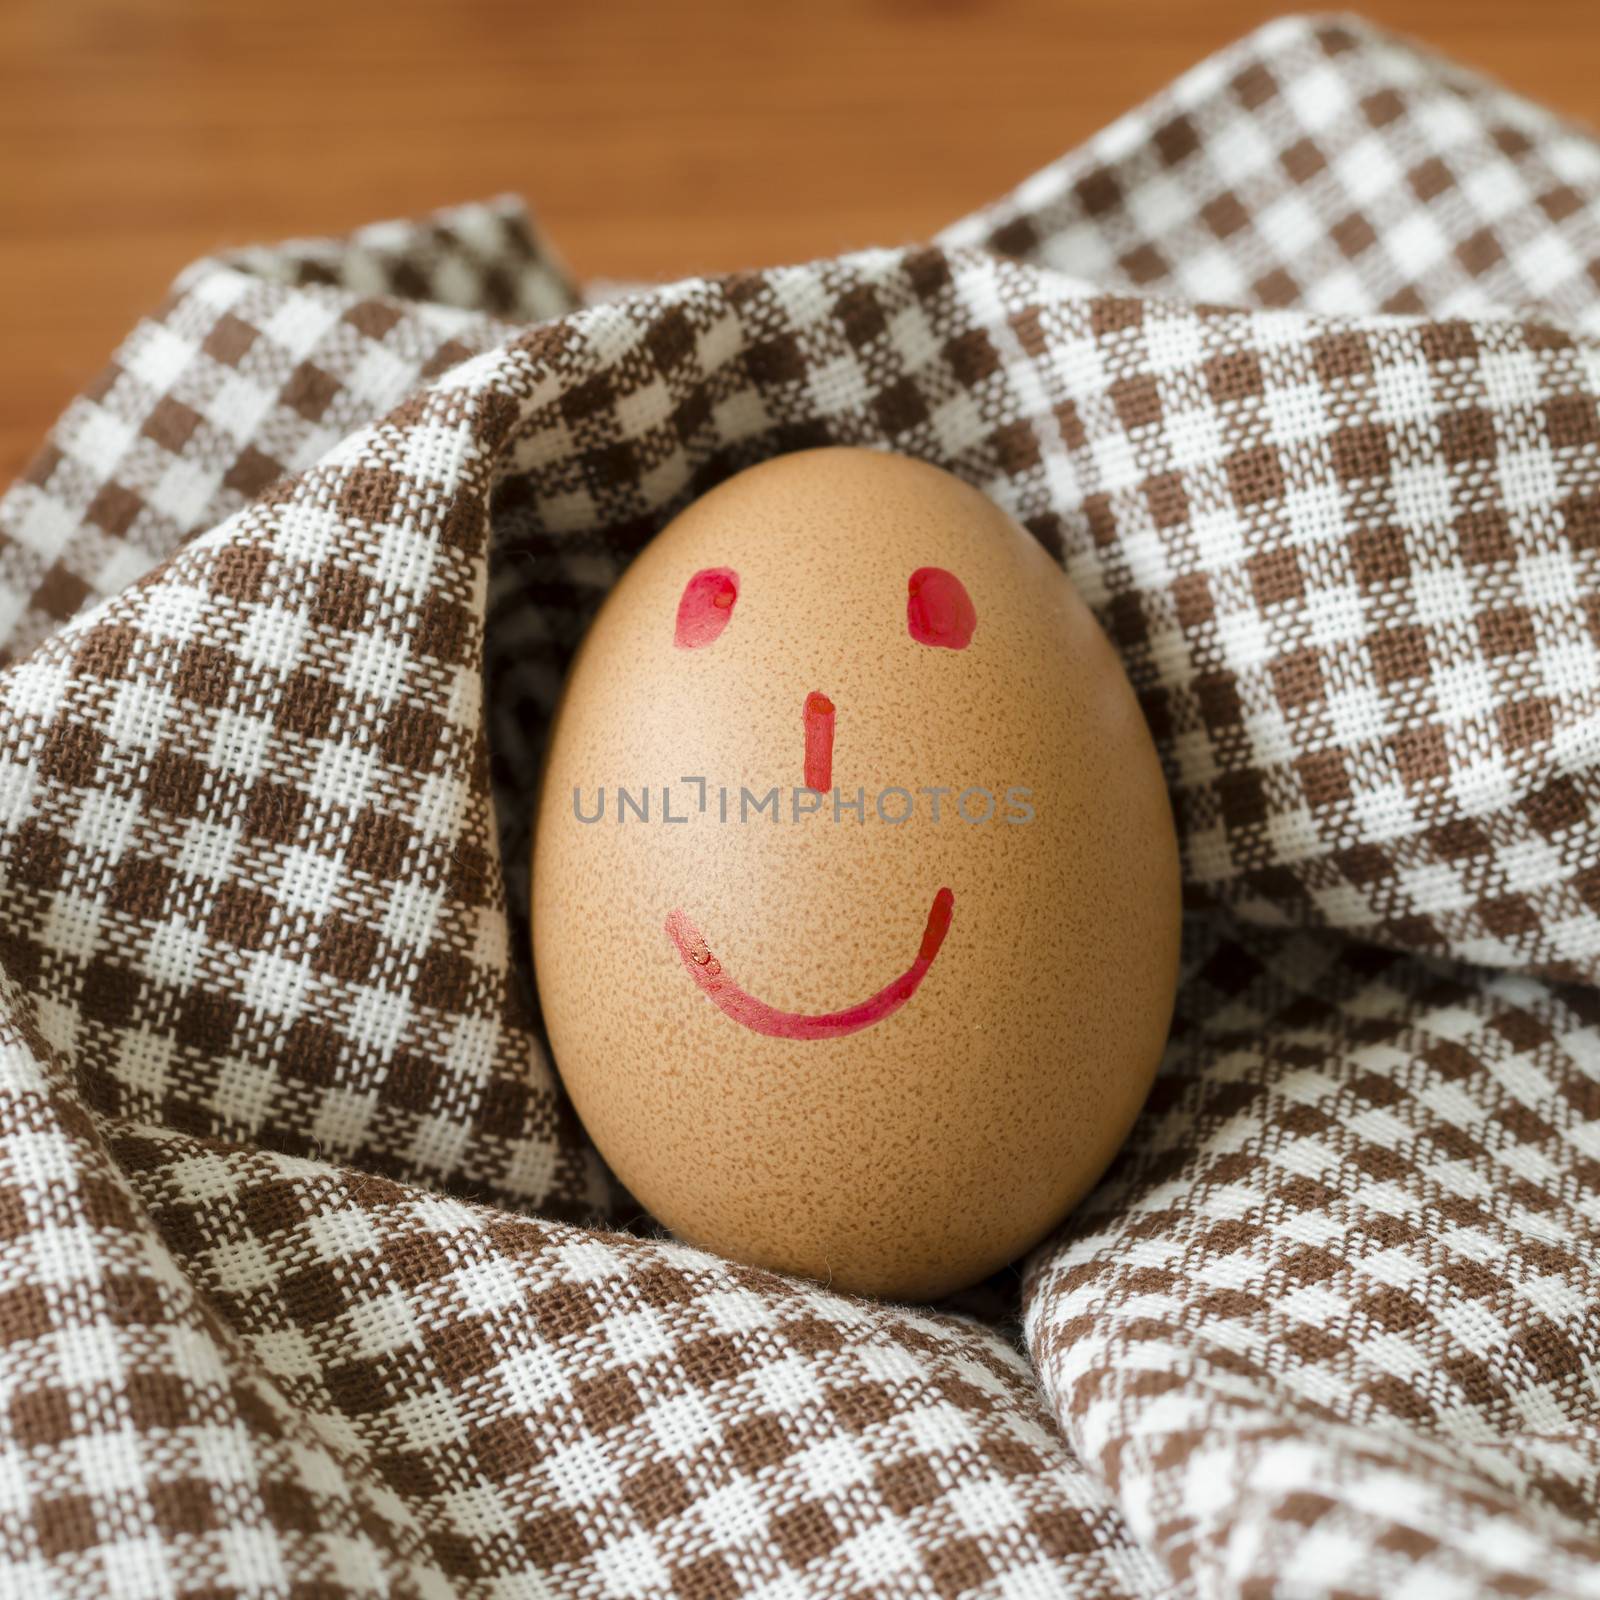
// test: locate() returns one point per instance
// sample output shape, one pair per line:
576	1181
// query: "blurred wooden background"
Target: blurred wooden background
653	138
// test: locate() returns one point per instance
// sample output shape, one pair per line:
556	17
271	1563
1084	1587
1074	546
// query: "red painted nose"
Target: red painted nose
819	741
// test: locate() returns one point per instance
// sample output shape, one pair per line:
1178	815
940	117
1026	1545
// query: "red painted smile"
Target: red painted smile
759	1017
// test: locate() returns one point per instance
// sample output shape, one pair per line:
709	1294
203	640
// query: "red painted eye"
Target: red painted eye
706	605
939	611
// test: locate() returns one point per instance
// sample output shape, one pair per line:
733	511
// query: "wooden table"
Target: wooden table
654	138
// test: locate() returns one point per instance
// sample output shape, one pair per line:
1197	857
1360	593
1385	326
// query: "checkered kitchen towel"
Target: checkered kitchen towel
301	1293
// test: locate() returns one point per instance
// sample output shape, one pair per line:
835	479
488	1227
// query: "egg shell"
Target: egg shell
917	1154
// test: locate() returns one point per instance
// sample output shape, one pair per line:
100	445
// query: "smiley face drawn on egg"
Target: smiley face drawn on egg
940	615
878	1044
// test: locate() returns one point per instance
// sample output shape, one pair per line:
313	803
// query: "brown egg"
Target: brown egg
828	1033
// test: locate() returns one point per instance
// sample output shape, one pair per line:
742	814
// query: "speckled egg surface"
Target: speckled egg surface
855	886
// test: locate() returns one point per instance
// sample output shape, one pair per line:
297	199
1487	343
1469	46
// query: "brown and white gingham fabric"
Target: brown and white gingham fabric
305	1283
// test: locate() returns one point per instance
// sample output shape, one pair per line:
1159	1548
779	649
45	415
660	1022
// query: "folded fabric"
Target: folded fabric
304	1283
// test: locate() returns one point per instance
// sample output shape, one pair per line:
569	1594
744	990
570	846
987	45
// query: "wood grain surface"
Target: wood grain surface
654	139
